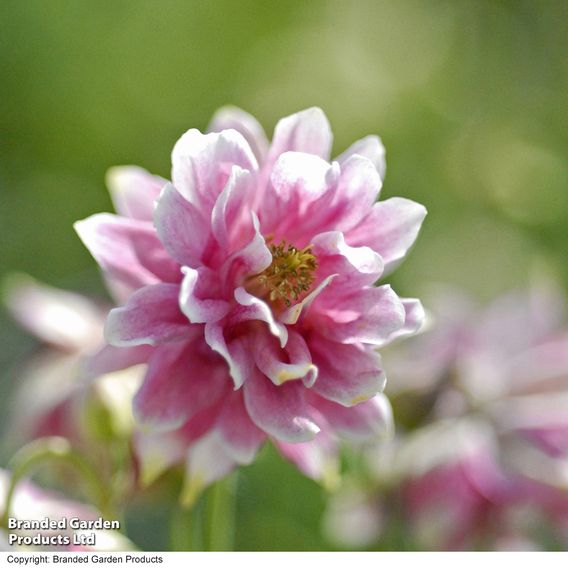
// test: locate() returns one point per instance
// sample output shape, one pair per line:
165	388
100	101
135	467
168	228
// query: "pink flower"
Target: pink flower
52	396
253	280
498	440
49	397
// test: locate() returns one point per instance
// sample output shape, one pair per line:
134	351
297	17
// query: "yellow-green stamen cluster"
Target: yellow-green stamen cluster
291	273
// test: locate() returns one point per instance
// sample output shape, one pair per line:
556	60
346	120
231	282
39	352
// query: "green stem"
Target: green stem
221	505
53	448
186	530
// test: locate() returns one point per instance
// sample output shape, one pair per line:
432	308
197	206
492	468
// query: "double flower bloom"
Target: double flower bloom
248	287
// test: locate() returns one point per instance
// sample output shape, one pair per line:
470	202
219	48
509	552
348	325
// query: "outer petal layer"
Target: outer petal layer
127	250
306	131
180	382
151	316
370	147
134	191
348	374
390	229
279	411
230	117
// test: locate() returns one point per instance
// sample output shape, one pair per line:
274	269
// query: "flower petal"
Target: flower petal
202	163
231	224
370	315
197	296
127	250
279	411
251	259
241	437
370	147
390	229
157	452
180	226
358	186
354	267
292	314
151	316
255	309
318	459
207	461
363	422
110	359
180	381
230	117
60	318
133	191
413	320
347	374
298	364
236	353
307	131
297	180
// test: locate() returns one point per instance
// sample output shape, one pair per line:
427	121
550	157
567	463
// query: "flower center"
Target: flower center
290	275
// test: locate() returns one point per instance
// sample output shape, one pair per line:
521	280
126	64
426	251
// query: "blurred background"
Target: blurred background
469	99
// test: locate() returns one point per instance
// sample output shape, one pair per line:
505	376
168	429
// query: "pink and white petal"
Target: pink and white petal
297	364
296	181
202	164
292	314
358	187
371	315
207	461
363	422
253	308
231	117
280	411
63	319
307	131
116	244
133	191
231	223
347	374
413	320
251	259
156	453
182	229
541	368
125	246
110	359
203	421
317	459
199	296
354	266
180	381
370	147
236	353
242	438
390	228
151	316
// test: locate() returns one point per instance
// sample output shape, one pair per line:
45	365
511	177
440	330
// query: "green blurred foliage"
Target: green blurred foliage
469	98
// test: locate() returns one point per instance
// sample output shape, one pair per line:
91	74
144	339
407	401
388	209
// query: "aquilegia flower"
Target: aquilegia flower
252	276
487	465
52	398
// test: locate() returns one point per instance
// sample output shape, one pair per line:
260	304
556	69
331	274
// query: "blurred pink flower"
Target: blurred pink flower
53	395
50	398
497	442
253	281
